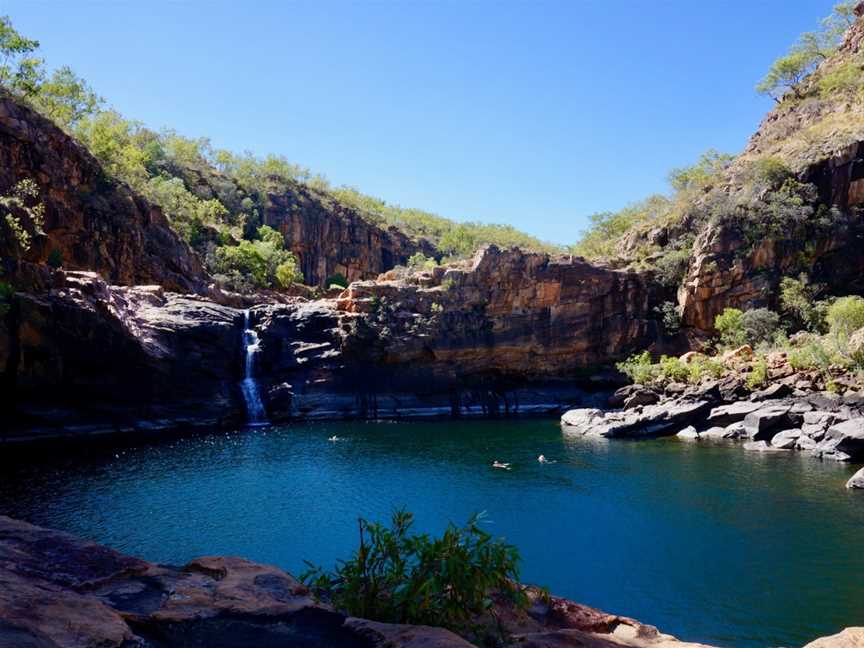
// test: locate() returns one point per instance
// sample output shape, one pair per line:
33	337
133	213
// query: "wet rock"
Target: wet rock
689	434
759	446
843	441
714	433
786	439
857	480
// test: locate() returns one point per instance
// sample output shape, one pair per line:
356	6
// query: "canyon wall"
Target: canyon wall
92	221
329	238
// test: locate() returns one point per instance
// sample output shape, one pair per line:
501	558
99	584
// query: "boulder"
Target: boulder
641	397
759	446
689	434
692	356
714	433
777	390
744	352
857	480
786	439
648	421
763	423
843	441
849	638
726	414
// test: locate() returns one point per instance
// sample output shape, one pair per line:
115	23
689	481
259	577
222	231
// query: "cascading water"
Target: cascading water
254	407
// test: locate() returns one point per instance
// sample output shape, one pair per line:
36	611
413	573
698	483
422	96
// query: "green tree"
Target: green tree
19	71
798	299
845	316
22	216
65	98
730	326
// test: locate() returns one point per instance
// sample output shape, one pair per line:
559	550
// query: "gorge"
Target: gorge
207	353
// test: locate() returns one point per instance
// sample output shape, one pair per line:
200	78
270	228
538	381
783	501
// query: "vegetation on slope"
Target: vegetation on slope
758	192
214	199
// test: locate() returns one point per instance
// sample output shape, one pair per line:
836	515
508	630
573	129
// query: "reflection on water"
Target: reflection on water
710	543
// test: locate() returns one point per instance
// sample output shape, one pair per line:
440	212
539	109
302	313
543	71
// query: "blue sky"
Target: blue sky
535	114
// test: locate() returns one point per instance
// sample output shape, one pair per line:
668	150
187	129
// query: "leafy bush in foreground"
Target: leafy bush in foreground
399	577
845	316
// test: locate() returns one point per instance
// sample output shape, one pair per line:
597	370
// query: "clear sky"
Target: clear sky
534	113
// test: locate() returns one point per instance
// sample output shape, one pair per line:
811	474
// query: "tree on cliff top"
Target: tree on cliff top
787	72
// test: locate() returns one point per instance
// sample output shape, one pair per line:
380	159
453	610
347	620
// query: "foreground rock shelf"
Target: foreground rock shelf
57	590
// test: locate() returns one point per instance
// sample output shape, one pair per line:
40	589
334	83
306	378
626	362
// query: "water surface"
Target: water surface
709	543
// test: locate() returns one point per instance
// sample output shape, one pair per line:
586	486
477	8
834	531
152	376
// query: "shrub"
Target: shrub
287	273
420	261
760	325
399	577
845	316
670	317
336	279
730	326
638	368
672	267
672	369
798	300
704	367
55	258
759	374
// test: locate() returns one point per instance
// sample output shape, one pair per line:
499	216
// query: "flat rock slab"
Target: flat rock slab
763	423
727	414
648	421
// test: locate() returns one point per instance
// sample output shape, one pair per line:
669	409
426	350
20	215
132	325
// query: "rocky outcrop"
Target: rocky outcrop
857	480
94	222
84	356
58	591
508	312
329	238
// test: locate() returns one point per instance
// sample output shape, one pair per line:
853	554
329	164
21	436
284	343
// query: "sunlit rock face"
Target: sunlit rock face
329	239
94	222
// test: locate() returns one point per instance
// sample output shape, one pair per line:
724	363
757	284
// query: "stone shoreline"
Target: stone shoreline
824	425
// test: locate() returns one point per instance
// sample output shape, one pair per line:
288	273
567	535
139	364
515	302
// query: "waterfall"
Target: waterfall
255	413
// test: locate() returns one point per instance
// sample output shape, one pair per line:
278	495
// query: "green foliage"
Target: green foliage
704	367
256	264
787	73
22	215
730	326
337	279
601	238
420	261
638	368
760	326
708	168
672	266
65	98
670	317
399	577
845	316
768	173
845	78
758	376
20	72
798	299
671	369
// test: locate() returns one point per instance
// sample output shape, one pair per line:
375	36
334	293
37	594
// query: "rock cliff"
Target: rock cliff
94	222
328	238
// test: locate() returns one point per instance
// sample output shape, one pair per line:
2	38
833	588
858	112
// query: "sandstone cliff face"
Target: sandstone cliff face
94	222
726	271
328	238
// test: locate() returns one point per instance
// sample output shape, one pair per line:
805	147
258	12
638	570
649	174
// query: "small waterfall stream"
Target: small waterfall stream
255	413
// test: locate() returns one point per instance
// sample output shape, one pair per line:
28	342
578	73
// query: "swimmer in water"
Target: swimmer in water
498	464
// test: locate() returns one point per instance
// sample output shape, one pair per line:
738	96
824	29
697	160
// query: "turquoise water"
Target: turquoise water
709	543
